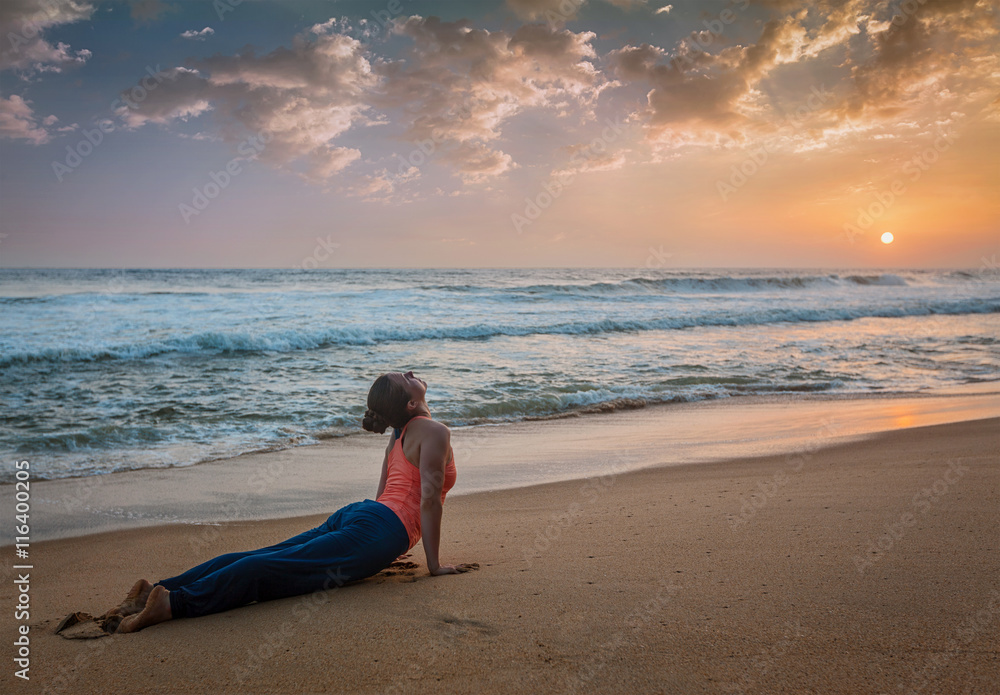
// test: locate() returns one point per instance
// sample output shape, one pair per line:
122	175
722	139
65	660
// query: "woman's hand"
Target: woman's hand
454	569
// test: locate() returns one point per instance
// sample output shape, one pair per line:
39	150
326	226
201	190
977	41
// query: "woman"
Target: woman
357	541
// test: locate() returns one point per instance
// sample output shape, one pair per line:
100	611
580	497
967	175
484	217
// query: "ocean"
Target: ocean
108	370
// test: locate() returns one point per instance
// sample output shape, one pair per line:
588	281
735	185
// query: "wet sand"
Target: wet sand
324	477
868	566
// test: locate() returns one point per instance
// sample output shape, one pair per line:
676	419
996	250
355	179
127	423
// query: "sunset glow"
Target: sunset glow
520	133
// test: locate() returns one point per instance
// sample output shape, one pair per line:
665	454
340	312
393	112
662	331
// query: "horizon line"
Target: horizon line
540	267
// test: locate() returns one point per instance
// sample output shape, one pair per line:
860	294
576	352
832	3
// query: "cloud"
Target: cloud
477	163
198	35
939	46
173	94
454	89
22	25
992	111
696	89
325	161
880	63
455	92
303	98
383	185
584	160
559	11
17	122
551	10
458	86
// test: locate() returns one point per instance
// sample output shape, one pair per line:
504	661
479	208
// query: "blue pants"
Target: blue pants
357	541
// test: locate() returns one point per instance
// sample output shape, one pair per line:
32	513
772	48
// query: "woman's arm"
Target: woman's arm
385	466
433	458
435	451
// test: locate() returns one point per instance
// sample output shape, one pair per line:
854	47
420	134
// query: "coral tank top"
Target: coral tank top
402	486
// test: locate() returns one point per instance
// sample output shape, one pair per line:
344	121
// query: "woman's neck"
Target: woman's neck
421	409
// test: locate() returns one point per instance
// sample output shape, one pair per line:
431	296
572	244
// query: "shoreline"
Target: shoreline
307	480
868	566
615	405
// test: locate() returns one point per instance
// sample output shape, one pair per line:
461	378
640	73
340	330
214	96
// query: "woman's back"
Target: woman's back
402	492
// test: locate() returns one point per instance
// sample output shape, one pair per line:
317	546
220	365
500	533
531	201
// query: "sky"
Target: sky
501	133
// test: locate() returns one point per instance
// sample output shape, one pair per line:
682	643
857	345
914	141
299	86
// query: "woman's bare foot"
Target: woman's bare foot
157	610
134	602
136	599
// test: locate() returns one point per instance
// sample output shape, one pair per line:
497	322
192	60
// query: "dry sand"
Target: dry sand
754	575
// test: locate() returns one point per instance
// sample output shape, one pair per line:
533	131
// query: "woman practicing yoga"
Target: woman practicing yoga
357	541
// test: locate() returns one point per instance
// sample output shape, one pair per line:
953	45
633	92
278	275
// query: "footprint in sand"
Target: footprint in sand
82	625
400	567
457	626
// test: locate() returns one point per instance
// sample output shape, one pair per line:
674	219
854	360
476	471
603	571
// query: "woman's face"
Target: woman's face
416	388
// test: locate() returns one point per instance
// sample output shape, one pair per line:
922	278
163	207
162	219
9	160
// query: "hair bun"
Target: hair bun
373	422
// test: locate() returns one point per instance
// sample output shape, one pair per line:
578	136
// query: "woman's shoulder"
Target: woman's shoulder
428	427
427	424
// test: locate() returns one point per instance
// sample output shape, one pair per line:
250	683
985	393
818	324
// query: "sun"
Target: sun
887	238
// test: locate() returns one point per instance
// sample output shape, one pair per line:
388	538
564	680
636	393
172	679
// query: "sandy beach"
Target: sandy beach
707	294
865	566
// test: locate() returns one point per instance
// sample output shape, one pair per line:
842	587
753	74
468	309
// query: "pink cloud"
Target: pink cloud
17	122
